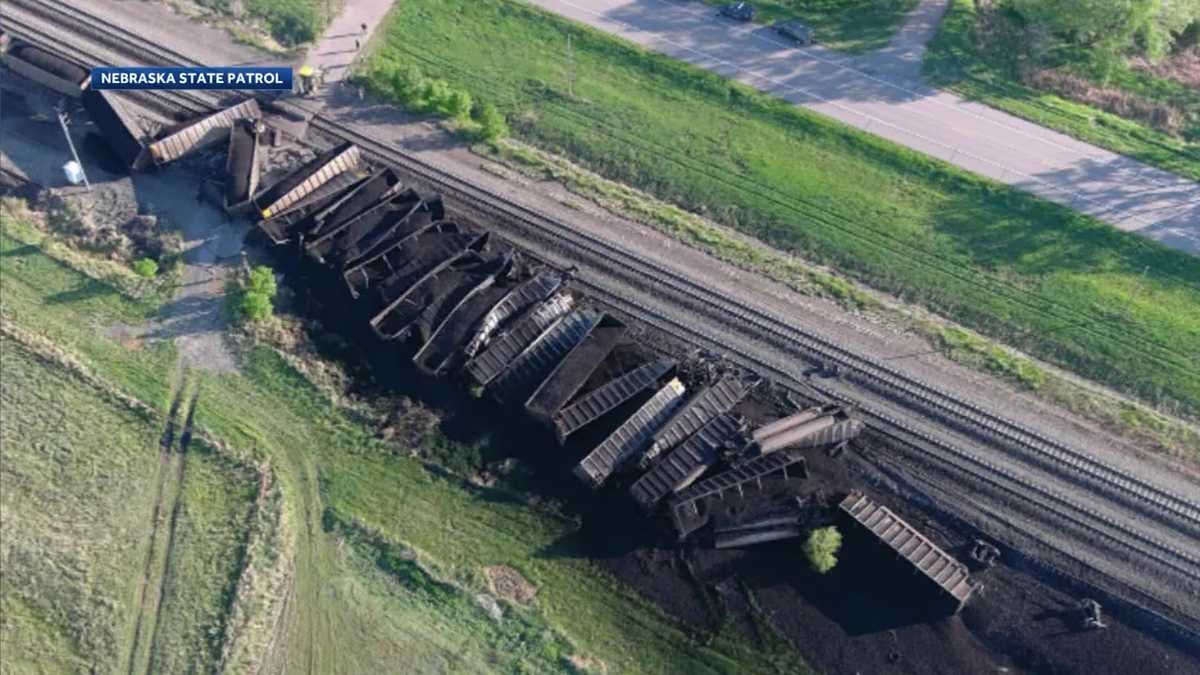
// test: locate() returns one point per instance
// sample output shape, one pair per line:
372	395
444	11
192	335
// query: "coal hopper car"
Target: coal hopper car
201	132
242	165
119	128
53	71
299	184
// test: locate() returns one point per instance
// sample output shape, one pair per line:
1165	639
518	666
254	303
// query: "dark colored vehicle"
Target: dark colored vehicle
740	11
796	31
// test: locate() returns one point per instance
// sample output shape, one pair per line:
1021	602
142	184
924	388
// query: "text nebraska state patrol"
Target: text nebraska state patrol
187	78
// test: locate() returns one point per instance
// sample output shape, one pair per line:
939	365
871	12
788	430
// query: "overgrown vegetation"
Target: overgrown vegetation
1109	305
821	549
405	83
848	25
1088	82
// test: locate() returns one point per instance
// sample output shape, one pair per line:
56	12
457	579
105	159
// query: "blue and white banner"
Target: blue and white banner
225	77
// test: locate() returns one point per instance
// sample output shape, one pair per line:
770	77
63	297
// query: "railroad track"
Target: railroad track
877	377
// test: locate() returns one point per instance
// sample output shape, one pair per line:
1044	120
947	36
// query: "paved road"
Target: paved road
345	38
882	93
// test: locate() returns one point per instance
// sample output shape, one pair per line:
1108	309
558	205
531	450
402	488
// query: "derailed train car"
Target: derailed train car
521	338
243	163
119	128
50	70
201	132
301	183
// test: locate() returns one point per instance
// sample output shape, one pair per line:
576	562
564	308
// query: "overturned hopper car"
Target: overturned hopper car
532	365
395	269
690	460
202	132
609	396
442	352
304	181
430	282
365	194
491	362
631	438
573	371
50	70
242	165
693	507
118	127
285	225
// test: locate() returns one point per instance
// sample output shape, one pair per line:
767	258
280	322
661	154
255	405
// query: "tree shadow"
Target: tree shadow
89	290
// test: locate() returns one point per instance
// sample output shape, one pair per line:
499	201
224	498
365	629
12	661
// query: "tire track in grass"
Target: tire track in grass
172	464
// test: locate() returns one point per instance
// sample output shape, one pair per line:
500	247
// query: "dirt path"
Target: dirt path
196	318
161	537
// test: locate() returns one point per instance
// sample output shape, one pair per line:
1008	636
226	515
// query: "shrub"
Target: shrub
821	549
492	125
255	306
459	106
258	290
145	268
408	84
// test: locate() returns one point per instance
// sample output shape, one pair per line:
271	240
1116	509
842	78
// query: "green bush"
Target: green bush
255	300
459	106
821	549
492	125
145	268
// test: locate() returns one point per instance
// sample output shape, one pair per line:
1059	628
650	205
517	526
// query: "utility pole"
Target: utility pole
62	120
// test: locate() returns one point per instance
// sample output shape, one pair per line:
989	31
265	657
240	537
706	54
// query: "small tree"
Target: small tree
435	95
257	293
145	268
492	125
262	281
821	549
408	84
255	306
459	106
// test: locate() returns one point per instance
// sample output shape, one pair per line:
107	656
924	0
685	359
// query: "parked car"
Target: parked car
741	11
795	31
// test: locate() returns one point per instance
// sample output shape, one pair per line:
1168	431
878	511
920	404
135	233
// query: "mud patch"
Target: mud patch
128	337
508	583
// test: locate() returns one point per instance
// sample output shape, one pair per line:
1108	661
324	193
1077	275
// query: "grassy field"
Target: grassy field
1109	305
77	491
79	481
205	560
389	557
954	60
853	26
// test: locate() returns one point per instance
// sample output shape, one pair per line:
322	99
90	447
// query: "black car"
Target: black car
742	11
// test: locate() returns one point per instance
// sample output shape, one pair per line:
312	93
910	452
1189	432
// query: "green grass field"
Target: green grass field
357	602
954	61
1108	305
853	26
78	481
